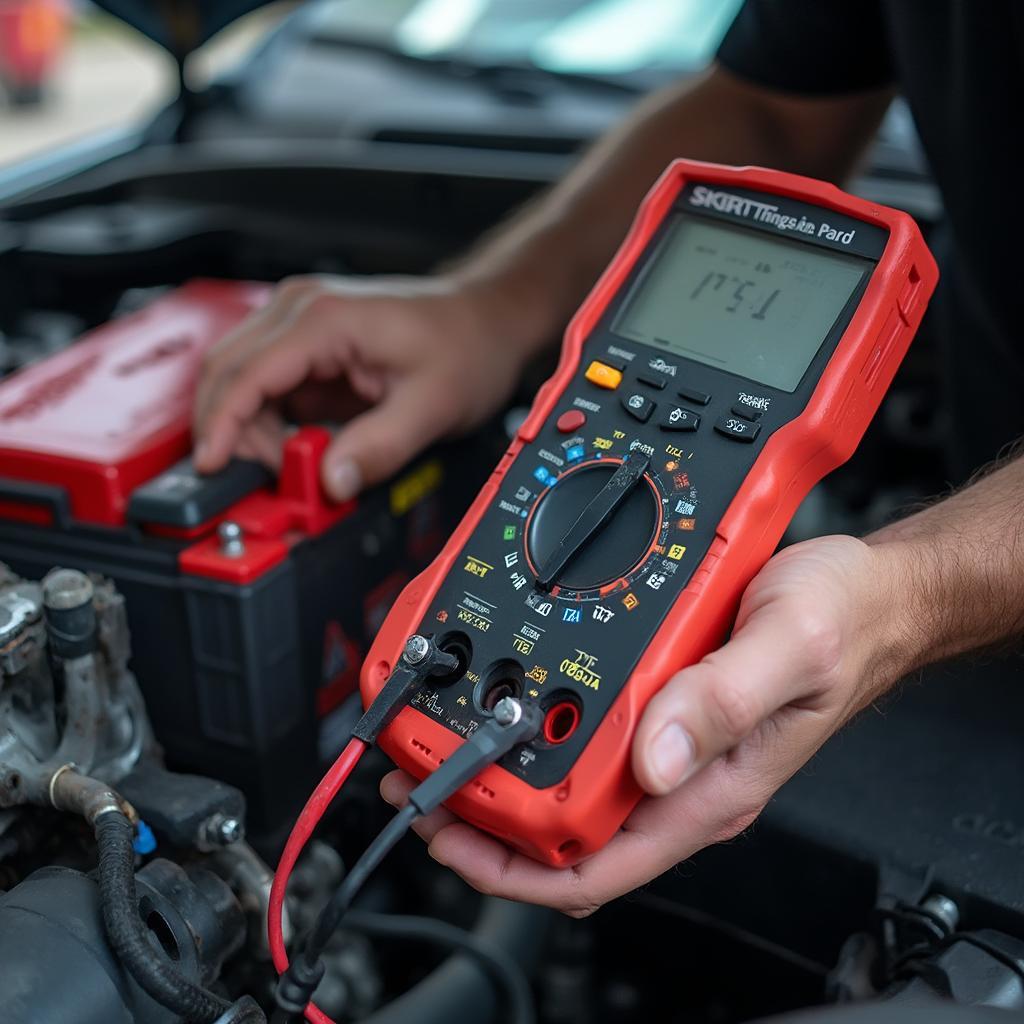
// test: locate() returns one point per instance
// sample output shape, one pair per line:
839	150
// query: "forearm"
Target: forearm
541	263
955	570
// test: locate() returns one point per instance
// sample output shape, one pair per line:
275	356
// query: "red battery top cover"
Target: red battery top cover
114	409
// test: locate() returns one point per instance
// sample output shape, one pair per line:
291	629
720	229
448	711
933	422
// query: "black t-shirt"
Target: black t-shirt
959	65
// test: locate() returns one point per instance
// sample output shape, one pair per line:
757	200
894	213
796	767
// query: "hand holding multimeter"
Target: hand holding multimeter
732	354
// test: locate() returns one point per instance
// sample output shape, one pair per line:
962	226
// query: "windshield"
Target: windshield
607	37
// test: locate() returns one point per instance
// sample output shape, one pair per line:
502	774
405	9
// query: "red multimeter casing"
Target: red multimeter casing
732	442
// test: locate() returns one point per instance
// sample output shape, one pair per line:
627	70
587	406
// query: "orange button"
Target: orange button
603	375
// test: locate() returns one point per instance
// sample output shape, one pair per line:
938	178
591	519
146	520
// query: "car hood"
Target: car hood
180	26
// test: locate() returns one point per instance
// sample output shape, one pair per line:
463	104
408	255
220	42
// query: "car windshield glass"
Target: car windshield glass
601	37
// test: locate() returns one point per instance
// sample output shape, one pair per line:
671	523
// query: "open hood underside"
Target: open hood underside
180	26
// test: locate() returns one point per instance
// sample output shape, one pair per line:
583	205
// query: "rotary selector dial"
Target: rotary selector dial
595	526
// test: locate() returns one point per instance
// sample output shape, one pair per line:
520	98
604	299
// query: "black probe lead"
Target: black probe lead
513	723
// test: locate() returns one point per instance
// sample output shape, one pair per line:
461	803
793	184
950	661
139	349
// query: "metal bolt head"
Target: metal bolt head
416	649
231	537
219	830
944	909
66	589
230	831
508	711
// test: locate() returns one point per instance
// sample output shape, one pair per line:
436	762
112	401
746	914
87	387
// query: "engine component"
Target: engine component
983	968
74	725
128	934
82	706
56	965
187	810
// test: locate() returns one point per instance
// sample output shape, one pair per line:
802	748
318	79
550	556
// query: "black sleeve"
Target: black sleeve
814	47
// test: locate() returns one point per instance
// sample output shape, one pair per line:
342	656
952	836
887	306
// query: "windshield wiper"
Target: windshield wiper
522	81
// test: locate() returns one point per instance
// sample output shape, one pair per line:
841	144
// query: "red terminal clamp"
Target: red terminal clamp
269	521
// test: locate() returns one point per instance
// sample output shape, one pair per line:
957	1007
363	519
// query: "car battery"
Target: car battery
251	600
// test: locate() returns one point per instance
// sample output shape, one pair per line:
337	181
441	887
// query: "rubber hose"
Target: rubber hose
508	978
460	990
129	936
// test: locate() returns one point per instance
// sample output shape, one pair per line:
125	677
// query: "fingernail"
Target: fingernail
670	756
344	479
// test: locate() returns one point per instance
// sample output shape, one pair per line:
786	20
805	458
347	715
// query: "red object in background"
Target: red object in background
115	409
32	38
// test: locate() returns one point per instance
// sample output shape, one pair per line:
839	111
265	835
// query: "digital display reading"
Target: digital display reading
754	305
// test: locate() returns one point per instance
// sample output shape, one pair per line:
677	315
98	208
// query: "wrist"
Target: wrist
906	580
510	309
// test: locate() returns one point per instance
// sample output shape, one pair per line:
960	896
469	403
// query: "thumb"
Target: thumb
377	443
707	709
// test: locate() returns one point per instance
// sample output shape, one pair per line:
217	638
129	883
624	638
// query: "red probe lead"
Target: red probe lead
420	659
321	798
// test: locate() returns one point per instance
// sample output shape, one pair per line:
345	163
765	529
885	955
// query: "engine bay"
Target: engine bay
887	868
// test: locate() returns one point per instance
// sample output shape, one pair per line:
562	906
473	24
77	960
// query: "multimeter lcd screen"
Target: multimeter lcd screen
743	301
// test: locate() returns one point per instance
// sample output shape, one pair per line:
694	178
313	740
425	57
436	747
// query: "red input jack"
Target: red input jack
561	721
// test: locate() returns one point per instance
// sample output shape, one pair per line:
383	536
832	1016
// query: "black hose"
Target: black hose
506	975
129	936
458	990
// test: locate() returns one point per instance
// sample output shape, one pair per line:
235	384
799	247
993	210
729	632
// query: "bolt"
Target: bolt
66	589
508	711
944	909
230	831
220	830
232	544
416	649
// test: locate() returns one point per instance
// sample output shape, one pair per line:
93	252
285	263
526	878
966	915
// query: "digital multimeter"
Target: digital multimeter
730	356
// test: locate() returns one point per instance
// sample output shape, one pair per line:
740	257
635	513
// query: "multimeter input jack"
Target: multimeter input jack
503	679
460	647
561	720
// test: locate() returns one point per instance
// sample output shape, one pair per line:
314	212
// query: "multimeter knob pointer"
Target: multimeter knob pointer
590	519
594	526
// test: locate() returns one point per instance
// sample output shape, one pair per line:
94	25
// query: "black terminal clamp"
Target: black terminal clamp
420	660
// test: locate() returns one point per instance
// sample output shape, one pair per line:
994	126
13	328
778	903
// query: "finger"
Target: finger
332	401
707	709
239	392
493	868
292	300
380	441
263	439
235	348
395	788
628	860
715	805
